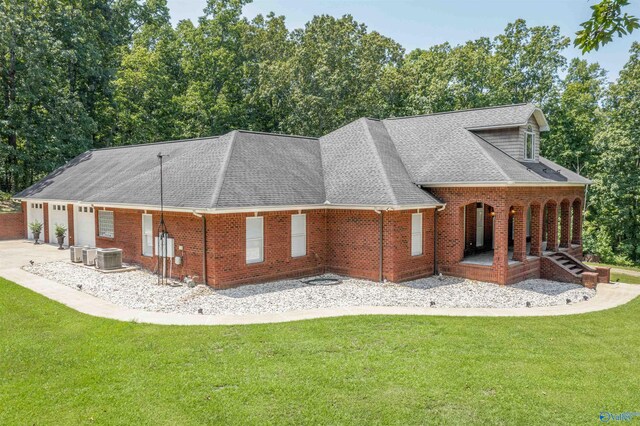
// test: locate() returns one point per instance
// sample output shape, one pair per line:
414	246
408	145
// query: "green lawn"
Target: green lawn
58	366
624	278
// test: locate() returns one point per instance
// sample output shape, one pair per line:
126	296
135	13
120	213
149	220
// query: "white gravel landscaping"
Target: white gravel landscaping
139	290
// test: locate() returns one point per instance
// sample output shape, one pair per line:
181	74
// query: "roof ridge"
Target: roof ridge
458	111
134	145
387	181
276	134
223	170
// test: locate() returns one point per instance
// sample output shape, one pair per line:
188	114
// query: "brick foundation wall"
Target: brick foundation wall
12	226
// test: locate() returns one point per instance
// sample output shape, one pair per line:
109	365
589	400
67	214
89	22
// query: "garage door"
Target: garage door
57	216
34	214
85	226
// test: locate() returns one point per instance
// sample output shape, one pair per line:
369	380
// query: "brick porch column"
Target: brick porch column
565	224
576	229
552	227
501	244
536	230
519	234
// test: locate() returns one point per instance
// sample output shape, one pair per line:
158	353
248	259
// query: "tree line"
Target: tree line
82	74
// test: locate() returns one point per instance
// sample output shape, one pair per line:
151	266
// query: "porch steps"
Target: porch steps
561	266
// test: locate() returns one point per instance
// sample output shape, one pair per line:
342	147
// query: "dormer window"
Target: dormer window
529	143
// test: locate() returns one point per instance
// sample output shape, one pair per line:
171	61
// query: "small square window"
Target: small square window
105	223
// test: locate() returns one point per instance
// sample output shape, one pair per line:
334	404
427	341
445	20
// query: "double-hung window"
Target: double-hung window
254	240
298	235
416	234
529	143
105	223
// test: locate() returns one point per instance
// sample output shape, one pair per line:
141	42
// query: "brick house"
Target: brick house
462	193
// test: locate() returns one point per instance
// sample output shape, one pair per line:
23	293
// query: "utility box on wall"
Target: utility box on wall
160	247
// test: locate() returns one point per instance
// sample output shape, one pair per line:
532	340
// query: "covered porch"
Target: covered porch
500	235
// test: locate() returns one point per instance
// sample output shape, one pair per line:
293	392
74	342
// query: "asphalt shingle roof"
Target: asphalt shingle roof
365	163
361	166
441	148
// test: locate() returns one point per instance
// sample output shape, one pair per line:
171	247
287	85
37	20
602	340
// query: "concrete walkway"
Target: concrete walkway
14	254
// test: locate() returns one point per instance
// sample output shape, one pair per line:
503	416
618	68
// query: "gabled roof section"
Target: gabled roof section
362	167
502	116
440	149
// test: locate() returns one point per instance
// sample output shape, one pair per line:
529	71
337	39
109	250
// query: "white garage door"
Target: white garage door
85	226
35	214
57	216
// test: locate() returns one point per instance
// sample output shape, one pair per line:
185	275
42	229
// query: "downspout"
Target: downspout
381	236
204	246
435	239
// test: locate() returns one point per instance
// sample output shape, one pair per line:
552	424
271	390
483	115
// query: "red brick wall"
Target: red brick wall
226	264
185	228
399	264
12	226
353	243
341	241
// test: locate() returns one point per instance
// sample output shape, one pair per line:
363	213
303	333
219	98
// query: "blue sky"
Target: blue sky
415	23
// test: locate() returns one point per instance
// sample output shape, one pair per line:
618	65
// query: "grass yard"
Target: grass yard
624	278
58	366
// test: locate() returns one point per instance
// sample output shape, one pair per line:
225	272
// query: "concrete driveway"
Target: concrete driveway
17	253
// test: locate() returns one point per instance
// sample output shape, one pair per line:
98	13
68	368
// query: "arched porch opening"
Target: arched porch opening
478	233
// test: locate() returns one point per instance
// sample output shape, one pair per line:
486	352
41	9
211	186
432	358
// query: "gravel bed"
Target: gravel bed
140	290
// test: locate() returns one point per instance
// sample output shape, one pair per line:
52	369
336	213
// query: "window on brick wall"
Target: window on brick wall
254	240
105	223
298	235
416	234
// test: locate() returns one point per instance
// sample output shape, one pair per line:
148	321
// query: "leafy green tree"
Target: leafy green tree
338	69
615	195
574	118
529	60
148	83
607	20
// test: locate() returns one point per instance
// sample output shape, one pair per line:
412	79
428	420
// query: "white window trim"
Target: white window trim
529	132
147	254
416	235
261	239
105	233
302	234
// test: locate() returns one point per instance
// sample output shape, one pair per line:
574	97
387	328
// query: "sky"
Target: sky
424	23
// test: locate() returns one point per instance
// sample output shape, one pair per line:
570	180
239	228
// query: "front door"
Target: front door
480	225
